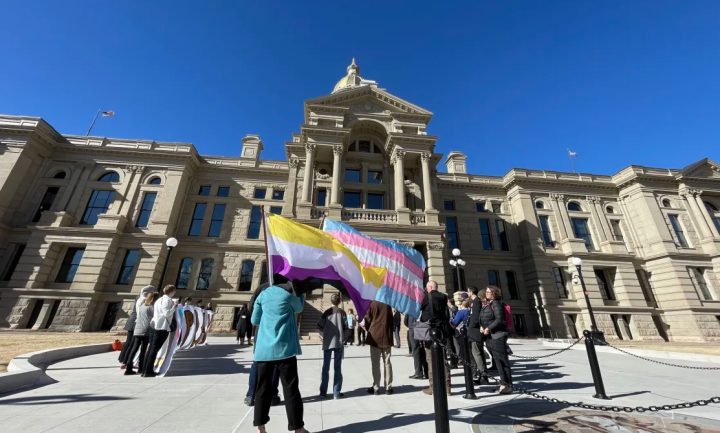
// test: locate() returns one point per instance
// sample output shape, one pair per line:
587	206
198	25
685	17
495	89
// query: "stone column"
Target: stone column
601	221
335	189
291	190
78	190
399	179
563	221
309	169
130	190
695	213
427	187
706	214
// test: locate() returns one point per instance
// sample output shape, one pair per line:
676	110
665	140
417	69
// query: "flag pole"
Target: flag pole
265	237
322	222
93	123
571	161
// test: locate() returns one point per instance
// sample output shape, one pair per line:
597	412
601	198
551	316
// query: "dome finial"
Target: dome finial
353	68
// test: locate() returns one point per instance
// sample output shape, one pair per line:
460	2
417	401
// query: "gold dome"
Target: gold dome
352	79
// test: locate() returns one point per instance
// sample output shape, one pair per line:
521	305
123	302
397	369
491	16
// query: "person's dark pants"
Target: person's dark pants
410	342
351	337
140	342
498	348
291	391
361	336
478	356
397	337
122	358
419	359
252	384
157	339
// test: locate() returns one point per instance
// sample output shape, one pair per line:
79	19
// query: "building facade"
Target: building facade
84	221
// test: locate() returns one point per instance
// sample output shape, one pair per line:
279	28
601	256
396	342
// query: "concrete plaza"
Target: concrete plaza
205	388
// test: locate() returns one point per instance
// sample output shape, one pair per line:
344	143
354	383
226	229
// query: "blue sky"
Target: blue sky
511	83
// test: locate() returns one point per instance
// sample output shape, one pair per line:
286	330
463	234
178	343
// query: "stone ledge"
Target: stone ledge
657	354
29	369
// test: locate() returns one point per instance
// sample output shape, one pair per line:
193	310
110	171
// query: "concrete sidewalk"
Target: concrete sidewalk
205	388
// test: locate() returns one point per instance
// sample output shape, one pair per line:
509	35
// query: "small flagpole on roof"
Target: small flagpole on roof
104	114
571	155
267	256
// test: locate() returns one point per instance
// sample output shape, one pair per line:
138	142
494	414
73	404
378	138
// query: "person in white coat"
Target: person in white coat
163	312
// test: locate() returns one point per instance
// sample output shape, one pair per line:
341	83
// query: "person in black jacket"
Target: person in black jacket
493	326
477	339
417	350
244	327
434	310
397	320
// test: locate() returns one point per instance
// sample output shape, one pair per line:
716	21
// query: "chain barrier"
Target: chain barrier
638	409
658	362
552	354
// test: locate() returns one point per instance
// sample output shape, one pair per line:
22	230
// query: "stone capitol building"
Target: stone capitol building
84	221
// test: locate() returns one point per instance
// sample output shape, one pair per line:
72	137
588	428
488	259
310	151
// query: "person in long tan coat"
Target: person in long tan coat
379	323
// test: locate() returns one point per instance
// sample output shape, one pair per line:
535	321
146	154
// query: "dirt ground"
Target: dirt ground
703	348
14	343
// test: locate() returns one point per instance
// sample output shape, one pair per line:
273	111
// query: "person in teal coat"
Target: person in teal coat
277	345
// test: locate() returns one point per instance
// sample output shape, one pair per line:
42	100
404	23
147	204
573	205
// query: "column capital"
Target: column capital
557	197
593	199
398	155
695	192
426	156
293	163
310	148
338	149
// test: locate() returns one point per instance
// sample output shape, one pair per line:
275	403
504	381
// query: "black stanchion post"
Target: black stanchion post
442	420
467	367
594	366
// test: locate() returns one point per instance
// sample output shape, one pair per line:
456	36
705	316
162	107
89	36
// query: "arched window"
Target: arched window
610	209
155	181
59	175
711	207
493	278
364	146
246	275
110	176
539	205
574	207
666	203
184	273
203	281
263	274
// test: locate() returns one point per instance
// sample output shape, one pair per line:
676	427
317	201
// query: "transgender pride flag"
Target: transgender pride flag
402	287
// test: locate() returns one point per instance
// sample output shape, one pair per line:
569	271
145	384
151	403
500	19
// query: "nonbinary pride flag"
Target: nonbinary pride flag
402	286
297	251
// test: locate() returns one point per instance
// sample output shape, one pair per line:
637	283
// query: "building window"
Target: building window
410	201
375	201
206	267
375	177
713	211
455	280
46	202
183	277
666	203
70	265
560	286
128	265
603	282
364	146
17	254
449	204
493	278
204	190
502	235
451	227
512	285
644	281
223	191
322	197
539	205
581	231
197	219
352	200
263	274
110	176
617	232
260	193
574	207
278	194
246	275
710	207
701	281
545	228
277	210
255	223
376	149
155	181
677	227
59	175
352	175
99	203
485	235
497	208
519	324
217	219
110	316
146	209
610	209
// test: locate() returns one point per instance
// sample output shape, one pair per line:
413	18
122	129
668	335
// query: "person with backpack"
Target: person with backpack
493	325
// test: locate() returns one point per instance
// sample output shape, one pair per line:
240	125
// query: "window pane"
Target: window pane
572	206
321	197
604	284
127	267
59	175
19	250
376	149
184	273
451	227
223	191
375	201
155	181
545	228
375	177
98	204
204	190
110	316
512	285
260	193
352	175
255	223
277	210
702	283
110	176
493	278
502	235
146	209
263	274
580	227
364	146
352	199
217	219
480	207
560	287
206	267
69	265
497	208
246	275
278	195
539	205
617	233
197	219
46	202
716	221
449	204
678	230
485	235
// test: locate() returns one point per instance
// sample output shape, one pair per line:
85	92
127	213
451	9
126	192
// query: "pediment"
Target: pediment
703	169
369	100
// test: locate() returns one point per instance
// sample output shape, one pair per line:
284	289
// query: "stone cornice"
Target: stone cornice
324	131
358	92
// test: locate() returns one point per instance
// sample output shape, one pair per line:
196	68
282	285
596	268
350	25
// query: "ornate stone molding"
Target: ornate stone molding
408	244
435	246
310	148
319	175
338	150
593	199
695	192
135	168
294	162
426	156
557	197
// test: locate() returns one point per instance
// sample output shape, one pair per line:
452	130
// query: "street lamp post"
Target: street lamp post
171	243
457	262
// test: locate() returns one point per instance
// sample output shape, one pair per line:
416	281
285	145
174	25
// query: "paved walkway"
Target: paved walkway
206	386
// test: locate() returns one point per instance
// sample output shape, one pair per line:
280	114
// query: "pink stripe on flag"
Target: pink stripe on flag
401	285
360	241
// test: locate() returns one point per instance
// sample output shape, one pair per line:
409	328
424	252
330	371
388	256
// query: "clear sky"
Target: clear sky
511	83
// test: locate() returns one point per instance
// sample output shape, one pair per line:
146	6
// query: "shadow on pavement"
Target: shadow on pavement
209	360
53	399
